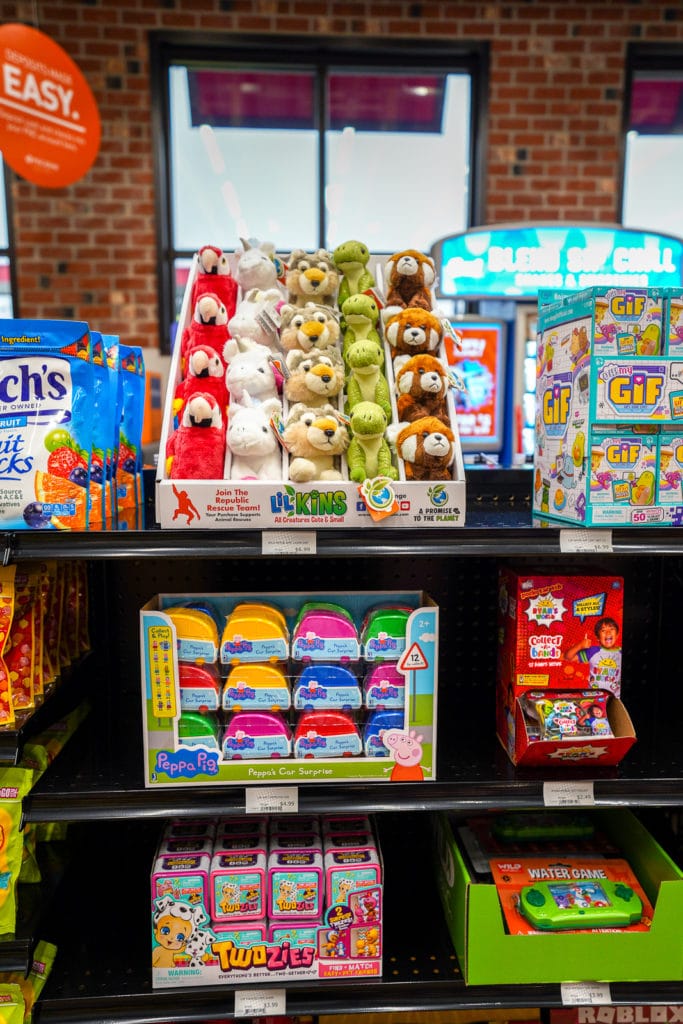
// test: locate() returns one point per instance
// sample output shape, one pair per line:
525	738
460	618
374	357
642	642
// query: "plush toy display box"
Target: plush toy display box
194	891
277	501
560	635
289	688
609	407
489	955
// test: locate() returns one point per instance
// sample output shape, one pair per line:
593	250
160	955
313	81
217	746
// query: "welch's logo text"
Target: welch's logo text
38	386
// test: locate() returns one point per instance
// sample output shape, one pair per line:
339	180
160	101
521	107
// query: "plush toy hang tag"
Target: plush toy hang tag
449	331
456	382
280	367
269	319
278	428
378	497
374	294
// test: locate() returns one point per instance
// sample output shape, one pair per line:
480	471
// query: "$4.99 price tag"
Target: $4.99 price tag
271	800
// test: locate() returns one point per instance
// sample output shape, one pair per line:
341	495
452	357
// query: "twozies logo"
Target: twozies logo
49	121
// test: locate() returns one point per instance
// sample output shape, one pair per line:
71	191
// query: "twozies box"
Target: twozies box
559	669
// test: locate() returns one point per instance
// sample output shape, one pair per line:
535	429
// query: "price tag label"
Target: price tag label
585	993
260	1002
598	542
275	800
288	542
568	794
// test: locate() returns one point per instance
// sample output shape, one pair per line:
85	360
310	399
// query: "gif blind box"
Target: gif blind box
559	669
289	687
609	383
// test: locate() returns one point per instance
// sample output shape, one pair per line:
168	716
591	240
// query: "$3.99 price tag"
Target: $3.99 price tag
260	1002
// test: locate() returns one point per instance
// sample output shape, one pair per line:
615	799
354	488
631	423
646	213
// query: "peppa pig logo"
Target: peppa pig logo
383	642
239	742
313	692
312	742
241	692
238	646
185	764
310	642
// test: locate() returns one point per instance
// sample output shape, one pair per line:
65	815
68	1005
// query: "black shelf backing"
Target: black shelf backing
103	974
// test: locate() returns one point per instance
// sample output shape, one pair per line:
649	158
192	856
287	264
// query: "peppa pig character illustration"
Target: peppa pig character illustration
406	751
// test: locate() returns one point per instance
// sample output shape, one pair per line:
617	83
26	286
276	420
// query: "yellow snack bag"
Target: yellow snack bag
15	783
12	1005
20	650
7	574
32	985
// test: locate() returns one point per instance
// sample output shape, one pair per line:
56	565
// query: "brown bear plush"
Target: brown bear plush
427	448
411	332
422	386
409	275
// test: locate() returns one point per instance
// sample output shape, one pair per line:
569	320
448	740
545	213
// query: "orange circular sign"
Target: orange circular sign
49	121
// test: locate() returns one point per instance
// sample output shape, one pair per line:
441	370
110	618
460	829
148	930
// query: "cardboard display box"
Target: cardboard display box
272	503
190	887
609	405
488	955
550	642
221	753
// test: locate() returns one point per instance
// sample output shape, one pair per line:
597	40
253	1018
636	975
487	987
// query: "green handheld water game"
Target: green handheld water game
542	826
551	906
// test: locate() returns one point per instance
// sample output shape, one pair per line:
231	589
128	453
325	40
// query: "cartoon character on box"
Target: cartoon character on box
405	749
175	927
601	653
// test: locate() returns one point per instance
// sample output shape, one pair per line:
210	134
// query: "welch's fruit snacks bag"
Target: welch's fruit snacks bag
46	423
129	466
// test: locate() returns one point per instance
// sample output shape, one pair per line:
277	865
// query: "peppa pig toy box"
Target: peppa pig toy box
290	687
559	669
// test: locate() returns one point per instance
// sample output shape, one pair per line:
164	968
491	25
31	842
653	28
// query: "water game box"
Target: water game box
287	688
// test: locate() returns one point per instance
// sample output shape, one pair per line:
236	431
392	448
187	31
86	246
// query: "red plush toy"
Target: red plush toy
205	372
196	449
209	326
214	276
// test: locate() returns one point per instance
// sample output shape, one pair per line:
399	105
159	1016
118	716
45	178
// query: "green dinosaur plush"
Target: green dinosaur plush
360	315
351	259
369	455
366	382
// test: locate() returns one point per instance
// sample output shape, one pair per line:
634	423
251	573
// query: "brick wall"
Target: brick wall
555	103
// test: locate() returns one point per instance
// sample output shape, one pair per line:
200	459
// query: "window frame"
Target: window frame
642	57
10	250
320	52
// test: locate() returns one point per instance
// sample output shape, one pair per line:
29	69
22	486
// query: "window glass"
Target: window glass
232	180
4	234
653	156
307	146
394	188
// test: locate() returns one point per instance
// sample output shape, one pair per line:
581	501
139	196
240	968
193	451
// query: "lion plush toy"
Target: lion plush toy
311	278
315	438
314	377
409	277
309	326
427	448
412	332
422	386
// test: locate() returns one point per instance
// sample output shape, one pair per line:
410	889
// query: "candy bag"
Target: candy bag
12	1005
129	469
7	574
15	783
46	418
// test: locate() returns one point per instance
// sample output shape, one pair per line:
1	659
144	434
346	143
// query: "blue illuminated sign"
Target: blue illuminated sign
515	261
